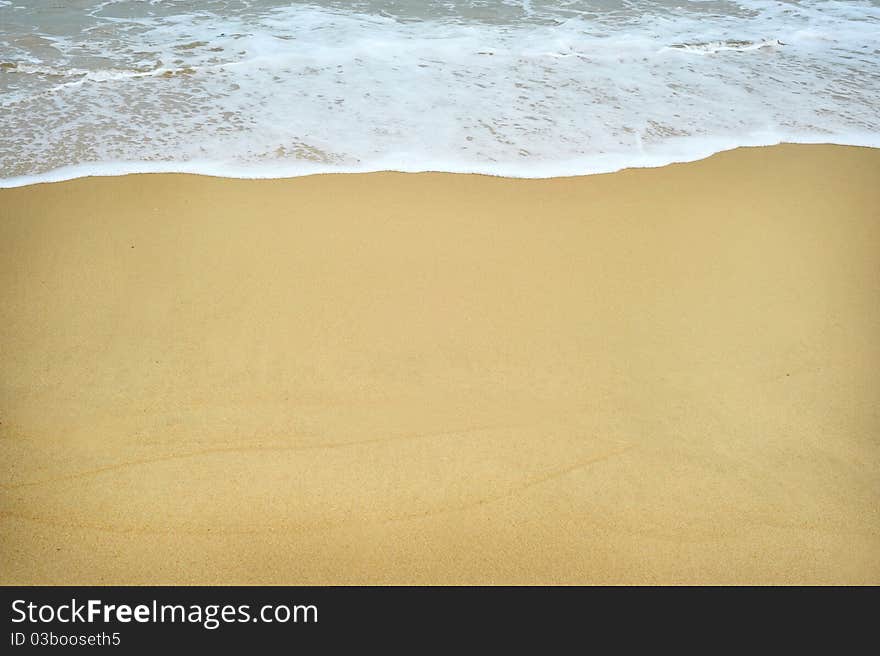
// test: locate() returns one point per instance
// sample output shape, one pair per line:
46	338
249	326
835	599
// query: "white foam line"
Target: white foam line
272	171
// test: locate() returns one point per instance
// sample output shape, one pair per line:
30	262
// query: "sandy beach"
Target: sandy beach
653	376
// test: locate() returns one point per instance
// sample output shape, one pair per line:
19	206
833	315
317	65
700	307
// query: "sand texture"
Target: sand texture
654	376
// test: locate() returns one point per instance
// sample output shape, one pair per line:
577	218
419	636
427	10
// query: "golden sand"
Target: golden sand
654	376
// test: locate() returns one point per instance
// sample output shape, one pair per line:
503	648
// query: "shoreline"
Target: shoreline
658	375
304	169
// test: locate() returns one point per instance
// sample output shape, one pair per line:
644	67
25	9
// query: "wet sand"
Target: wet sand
653	376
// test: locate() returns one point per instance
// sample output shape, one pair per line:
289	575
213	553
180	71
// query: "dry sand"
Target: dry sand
654	376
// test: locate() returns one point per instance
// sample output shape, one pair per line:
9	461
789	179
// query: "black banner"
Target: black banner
136	619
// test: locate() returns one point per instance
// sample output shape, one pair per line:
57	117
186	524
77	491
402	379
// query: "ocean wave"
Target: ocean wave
563	87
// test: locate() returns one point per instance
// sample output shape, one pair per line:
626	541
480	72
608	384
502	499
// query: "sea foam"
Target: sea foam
535	89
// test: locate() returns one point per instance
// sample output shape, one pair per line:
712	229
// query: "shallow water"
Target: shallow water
533	88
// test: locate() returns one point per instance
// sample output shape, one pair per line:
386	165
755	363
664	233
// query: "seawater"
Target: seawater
531	88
